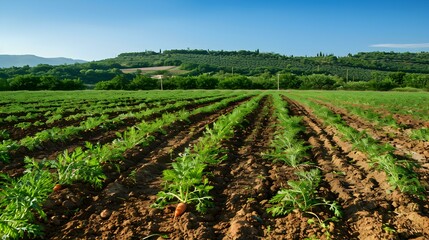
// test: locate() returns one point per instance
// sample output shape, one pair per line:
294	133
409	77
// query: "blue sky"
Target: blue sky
97	29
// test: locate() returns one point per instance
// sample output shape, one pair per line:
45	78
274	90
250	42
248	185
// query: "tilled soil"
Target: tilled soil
50	149
370	211
243	185
399	138
120	210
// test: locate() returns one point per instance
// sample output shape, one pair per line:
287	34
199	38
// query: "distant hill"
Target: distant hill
7	61
361	66
364	66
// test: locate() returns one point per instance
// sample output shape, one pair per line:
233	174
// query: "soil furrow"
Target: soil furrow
50	150
217	222
369	212
400	139
246	186
407	120
129	195
358	188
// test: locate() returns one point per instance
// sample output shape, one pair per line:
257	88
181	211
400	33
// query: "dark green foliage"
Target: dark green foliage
416	81
387	70
119	82
24	82
33	82
206	82
289	81
319	81
20	200
235	82
357	86
383	85
141	82
301	195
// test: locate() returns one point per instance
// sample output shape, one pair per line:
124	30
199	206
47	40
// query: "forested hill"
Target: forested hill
403	69
358	66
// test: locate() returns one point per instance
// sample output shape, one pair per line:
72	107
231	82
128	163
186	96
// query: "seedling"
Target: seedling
133	176
20	200
77	166
301	195
388	229
185	184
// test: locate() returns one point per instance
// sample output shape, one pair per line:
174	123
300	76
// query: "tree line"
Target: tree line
282	80
362	71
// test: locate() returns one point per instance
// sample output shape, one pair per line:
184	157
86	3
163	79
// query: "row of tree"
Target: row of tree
264	81
33	82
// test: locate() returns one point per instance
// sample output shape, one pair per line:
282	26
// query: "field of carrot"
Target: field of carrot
214	165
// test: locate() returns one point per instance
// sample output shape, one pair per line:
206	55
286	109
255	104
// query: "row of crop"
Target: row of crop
20	98
20	205
394	102
70	111
400	173
62	134
381	120
375	117
287	147
66	109
28	101
86	114
187	180
370	115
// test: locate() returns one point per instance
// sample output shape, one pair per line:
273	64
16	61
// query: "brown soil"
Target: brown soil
243	185
406	120
417	149
125	193
369	209
405	148
50	150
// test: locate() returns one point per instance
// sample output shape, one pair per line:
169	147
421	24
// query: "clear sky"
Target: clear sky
97	29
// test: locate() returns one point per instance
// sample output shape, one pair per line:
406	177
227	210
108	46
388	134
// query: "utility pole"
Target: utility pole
233	71
278	81
161	84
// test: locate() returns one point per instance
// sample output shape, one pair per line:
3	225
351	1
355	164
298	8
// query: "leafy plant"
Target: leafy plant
20	199
11	118
23	125
54	118
30	142
185	183
104	153
287	150
285	147
91	123
400	175
77	166
420	134
4	134
133	176
5	147
301	195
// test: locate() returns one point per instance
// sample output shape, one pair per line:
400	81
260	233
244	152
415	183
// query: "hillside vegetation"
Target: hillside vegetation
360	66
371	70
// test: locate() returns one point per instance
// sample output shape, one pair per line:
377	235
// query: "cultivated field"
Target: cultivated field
248	165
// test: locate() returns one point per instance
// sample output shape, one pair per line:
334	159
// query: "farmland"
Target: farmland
247	164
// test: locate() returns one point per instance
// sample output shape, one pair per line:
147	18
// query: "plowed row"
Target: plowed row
243	185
